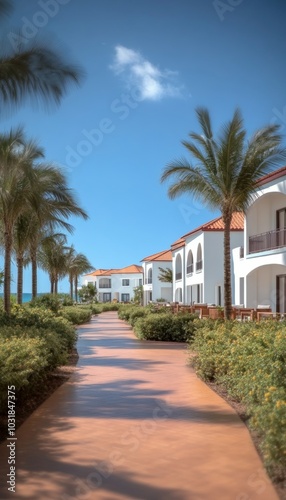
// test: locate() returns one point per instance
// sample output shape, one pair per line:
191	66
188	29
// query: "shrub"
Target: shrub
249	359
165	327
76	315
125	311
47	301
20	358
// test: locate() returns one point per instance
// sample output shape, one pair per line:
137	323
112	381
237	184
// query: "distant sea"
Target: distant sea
26	296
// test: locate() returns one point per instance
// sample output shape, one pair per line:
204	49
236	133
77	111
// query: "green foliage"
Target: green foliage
138	294
20	358
32	342
88	293
76	315
249	359
165	327
49	301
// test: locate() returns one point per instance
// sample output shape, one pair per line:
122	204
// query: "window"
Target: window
199	264
106	297
125	282
104	283
178	267
140	281
148	280
190	263
125	297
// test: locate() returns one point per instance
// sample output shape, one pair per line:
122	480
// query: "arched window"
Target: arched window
199	264
190	263
149	276
178	267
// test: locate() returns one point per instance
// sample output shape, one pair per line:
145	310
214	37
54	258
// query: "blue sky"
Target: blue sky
147	66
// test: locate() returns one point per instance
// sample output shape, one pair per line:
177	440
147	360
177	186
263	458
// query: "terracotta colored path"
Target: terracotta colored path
134	422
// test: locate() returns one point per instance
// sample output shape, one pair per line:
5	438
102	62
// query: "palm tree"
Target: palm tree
166	275
52	258
16	158
77	265
53	203
225	172
34	71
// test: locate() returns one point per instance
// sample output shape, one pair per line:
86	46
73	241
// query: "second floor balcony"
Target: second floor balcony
148	281
267	241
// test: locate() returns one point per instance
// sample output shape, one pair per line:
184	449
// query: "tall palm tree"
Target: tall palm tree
23	232
52	258
16	158
53	203
225	172
77	265
35	71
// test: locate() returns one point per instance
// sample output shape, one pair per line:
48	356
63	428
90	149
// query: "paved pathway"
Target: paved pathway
134	422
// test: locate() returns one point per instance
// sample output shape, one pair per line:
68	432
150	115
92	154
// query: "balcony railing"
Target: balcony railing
267	241
148	281
179	276
104	285
199	265
190	268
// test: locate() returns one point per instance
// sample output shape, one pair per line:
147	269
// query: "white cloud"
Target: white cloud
139	73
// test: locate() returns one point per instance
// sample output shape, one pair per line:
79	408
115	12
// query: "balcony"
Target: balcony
267	241
148	281
104	285
199	265
179	276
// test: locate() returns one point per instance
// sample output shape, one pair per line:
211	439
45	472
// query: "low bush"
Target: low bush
125	311
47	301
20	358
249	359
76	315
165	327
105	307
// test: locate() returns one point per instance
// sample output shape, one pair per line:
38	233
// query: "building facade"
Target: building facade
153	288
115	284
198	262
260	263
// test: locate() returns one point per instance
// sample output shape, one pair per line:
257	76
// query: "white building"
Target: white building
198	267
115	284
260	266
155	289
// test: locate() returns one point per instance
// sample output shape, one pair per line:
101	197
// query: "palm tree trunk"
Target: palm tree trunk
227	266
71	286
19	279
7	271
56	286
75	287
33	254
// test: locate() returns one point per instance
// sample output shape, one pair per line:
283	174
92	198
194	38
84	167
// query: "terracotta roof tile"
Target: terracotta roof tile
237	224
128	270
164	256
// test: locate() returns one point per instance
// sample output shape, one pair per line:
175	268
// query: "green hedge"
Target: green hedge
76	315
33	341
249	359
165	327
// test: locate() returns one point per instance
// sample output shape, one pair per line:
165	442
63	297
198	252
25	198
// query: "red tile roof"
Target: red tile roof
128	270
237	224
164	256
125	270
